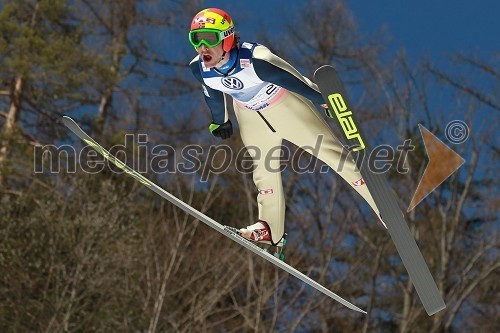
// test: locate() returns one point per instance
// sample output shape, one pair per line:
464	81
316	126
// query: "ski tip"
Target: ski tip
319	69
67	120
324	67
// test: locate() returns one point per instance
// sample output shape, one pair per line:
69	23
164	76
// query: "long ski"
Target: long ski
335	96
226	231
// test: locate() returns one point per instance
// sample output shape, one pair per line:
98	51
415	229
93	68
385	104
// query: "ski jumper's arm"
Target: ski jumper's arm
271	68
215	99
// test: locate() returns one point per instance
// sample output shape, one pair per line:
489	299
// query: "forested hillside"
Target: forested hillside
85	248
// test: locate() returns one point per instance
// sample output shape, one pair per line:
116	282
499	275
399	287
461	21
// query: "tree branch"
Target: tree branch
480	97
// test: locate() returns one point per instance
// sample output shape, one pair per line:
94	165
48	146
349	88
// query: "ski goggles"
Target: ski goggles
208	37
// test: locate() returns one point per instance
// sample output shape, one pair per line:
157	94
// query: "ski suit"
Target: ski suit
273	101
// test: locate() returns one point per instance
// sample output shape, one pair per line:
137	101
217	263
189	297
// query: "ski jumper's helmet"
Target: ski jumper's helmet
211	27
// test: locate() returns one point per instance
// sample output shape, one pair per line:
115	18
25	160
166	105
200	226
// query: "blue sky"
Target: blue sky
421	27
434	26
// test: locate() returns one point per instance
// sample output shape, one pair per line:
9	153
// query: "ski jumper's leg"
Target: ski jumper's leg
303	125
264	146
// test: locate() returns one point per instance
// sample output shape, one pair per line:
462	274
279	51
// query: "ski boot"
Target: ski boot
260	233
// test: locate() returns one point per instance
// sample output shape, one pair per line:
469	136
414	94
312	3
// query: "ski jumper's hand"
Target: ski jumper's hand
223	131
328	113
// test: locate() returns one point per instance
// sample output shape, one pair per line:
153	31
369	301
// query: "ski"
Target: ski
226	231
335	96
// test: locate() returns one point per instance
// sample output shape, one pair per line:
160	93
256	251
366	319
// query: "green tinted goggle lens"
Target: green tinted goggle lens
209	38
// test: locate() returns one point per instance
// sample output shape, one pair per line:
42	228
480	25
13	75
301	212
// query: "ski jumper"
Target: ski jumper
273	101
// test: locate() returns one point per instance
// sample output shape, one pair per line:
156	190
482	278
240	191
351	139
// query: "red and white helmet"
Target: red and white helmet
211	27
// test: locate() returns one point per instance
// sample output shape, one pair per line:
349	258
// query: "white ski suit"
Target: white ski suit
272	102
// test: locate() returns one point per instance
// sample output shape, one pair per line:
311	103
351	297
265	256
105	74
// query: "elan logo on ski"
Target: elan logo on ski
346	122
